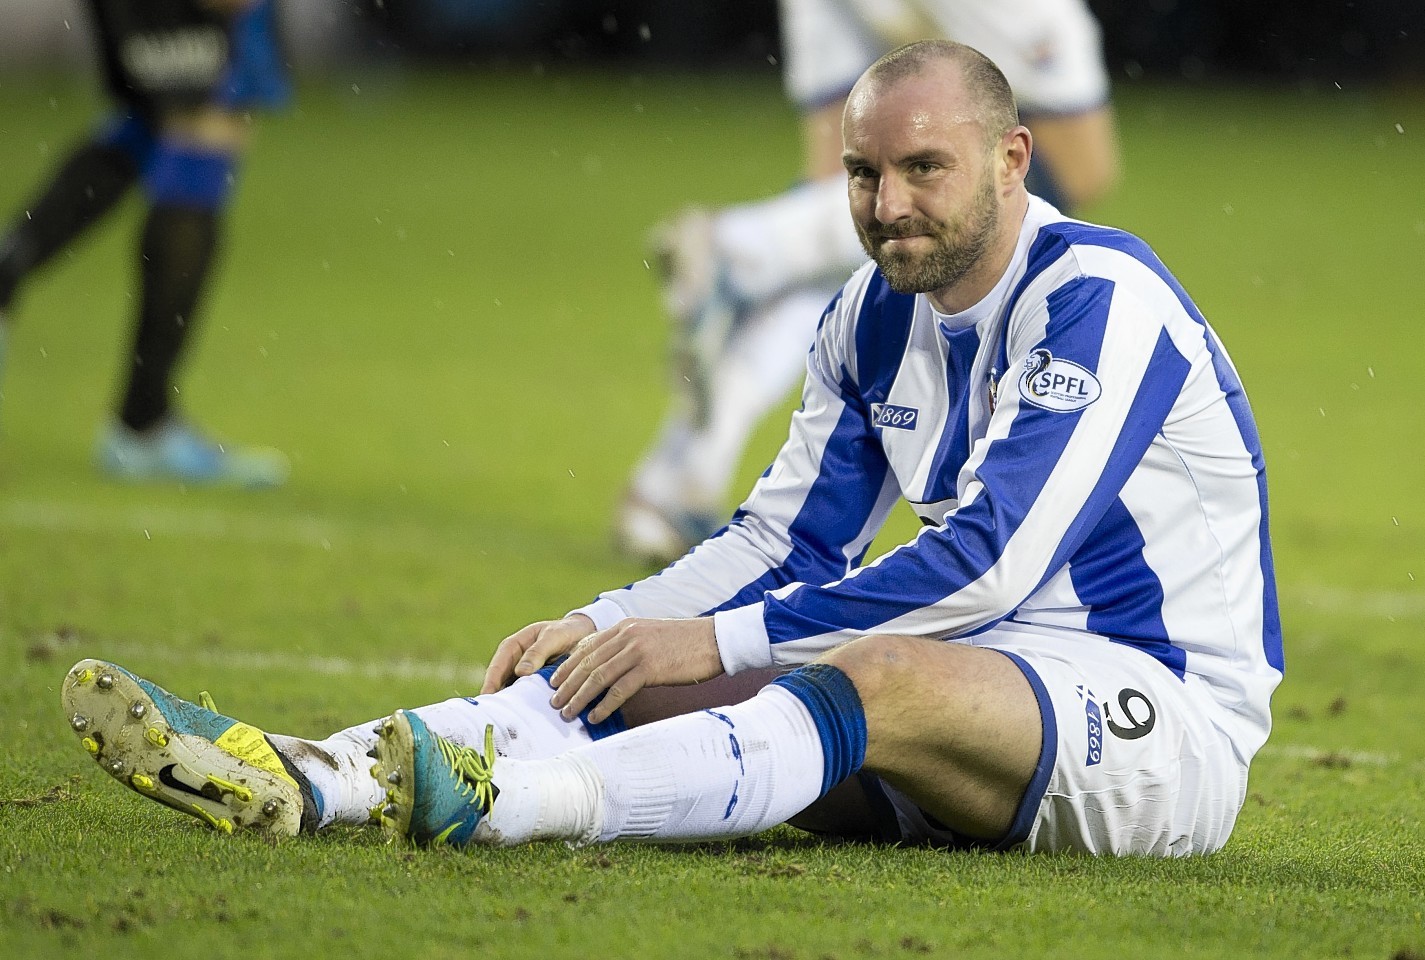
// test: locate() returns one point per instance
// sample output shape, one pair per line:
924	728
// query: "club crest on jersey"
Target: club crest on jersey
1059	385
890	415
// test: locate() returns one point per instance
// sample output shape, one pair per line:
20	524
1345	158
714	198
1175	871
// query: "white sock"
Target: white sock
729	772
801	236
786	257
763	365
659	477
339	770
559	798
690	469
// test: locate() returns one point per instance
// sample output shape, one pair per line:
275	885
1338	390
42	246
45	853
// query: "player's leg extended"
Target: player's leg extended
707	774
184	755
230	774
678	495
439	790
85	187
749	253
958	726
718	266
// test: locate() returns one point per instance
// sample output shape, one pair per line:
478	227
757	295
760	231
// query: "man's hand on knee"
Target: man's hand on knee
525	651
631	655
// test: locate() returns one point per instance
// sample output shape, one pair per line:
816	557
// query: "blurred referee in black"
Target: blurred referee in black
183	76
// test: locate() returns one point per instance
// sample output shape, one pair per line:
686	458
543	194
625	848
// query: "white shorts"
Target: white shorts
1050	50
1132	762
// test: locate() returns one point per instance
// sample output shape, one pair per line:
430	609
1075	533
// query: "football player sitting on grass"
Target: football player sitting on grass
1076	653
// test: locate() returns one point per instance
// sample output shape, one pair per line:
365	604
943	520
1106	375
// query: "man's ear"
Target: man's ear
1015	148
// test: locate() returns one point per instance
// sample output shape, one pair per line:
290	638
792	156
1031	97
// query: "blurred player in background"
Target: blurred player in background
183	75
746	284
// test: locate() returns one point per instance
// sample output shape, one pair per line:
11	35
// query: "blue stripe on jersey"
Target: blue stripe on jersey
1228	381
825	314
1162	381
853	469
947	559
1055	239
1086	234
955	441
853	466
1231	385
1124	595
882	331
1046	249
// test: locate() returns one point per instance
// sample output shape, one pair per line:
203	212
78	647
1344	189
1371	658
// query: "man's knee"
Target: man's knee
918	693
953	726
883	662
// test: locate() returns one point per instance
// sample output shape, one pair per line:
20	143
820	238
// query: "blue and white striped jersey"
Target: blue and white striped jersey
1078	445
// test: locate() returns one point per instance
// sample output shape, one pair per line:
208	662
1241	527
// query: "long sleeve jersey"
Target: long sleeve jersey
1078	446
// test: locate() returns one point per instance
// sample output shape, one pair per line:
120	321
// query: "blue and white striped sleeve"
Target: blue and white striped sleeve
809	518
1030	492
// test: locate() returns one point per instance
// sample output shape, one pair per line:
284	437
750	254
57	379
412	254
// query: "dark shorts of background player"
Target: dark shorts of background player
164	55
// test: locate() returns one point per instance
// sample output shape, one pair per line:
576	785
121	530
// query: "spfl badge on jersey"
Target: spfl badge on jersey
1055	384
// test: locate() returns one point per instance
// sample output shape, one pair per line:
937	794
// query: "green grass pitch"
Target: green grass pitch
435	299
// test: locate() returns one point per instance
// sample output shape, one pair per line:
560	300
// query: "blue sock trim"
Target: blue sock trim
607	727
318	801
835	707
181	175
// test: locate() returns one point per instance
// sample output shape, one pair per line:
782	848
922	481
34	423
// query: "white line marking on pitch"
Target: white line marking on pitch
1380	603
199	524
322	533
1301	751
473	674
153	521
470	672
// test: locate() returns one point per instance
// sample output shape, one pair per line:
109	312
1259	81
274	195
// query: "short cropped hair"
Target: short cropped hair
998	112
